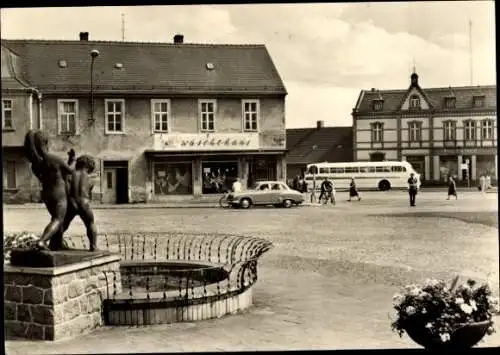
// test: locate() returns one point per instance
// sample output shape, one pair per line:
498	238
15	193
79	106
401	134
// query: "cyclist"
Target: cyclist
327	191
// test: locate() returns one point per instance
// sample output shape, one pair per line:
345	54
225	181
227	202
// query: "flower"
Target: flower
441	309
473	305
445	337
466	308
410	310
397	298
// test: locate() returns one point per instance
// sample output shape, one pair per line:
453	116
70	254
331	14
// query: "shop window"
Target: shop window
173	178
218	177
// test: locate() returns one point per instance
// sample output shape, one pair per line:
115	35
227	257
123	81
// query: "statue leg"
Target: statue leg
56	242
57	210
87	217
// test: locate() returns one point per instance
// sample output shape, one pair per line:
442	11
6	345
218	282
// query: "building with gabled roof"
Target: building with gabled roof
448	131
313	145
163	120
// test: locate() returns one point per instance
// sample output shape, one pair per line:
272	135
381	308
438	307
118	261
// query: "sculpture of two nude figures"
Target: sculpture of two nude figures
65	190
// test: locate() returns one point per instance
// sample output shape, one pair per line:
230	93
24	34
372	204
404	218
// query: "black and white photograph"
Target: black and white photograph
250	177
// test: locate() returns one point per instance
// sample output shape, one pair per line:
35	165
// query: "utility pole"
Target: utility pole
123	27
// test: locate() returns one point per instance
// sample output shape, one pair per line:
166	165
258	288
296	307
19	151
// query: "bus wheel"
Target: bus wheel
384	185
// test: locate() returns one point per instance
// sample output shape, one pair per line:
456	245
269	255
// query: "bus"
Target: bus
382	175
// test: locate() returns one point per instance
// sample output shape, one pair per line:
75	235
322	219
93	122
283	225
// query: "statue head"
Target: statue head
85	162
36	145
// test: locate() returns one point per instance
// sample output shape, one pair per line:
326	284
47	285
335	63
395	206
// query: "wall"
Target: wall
51	307
20	117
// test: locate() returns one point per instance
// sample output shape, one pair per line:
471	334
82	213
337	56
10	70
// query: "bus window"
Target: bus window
371	169
403	168
324	170
364	169
350	170
337	170
397	169
380	169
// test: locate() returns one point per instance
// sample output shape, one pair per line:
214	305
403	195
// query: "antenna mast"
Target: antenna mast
123	27
470	54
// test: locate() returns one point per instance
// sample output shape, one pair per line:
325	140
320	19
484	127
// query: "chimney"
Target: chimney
84	36
320	124
178	39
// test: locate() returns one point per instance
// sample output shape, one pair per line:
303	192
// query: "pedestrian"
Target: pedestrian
303	187
482	184
488	182
353	191
452	188
236	185
295	183
412	189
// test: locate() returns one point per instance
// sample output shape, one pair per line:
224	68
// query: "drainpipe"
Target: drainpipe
39	97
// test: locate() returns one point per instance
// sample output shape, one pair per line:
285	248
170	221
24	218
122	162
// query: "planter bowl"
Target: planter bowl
464	337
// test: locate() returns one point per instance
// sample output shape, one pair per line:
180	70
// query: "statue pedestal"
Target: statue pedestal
61	300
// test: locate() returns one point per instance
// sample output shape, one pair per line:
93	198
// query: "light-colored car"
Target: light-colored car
275	193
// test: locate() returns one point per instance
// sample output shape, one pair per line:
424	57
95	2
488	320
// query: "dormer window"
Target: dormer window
414	102
450	102
478	101
378	105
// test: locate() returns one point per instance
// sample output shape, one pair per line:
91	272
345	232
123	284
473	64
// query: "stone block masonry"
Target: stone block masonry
59	302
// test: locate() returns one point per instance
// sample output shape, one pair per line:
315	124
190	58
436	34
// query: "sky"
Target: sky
326	53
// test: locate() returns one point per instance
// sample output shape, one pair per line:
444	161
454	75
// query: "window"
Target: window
68	116
378	105
383	169
160	110
7	114
487	129
9	174
449	102
377	132
415	131
115	116
218	177
276	187
414	101
470	130
173	178
478	101
337	170
449	128
250	115
350	170
396	169
324	170
264	187
109	180
207	115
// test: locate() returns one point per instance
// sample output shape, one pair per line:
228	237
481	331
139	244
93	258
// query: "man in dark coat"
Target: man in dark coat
412	188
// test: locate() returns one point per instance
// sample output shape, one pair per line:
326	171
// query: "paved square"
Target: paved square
327	283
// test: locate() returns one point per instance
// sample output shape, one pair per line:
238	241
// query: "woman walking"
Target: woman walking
452	188
353	191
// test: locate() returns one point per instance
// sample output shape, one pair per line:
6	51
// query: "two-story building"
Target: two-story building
440	131
163	120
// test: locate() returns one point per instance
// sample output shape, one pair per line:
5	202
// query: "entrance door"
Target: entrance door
115	179
109	190
121	190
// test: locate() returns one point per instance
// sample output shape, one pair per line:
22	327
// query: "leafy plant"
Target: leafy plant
441	310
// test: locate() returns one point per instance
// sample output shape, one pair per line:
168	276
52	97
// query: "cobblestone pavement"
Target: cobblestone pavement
327	283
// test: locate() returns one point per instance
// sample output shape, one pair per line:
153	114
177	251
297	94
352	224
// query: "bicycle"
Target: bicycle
223	201
328	196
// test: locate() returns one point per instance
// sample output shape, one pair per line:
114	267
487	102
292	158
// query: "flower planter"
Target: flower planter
464	337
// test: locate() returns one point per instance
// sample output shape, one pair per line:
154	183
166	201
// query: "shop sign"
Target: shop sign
206	141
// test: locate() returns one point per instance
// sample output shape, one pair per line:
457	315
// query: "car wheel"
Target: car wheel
287	203
384	185
245	203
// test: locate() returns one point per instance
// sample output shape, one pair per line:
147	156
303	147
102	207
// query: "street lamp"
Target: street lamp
93	55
